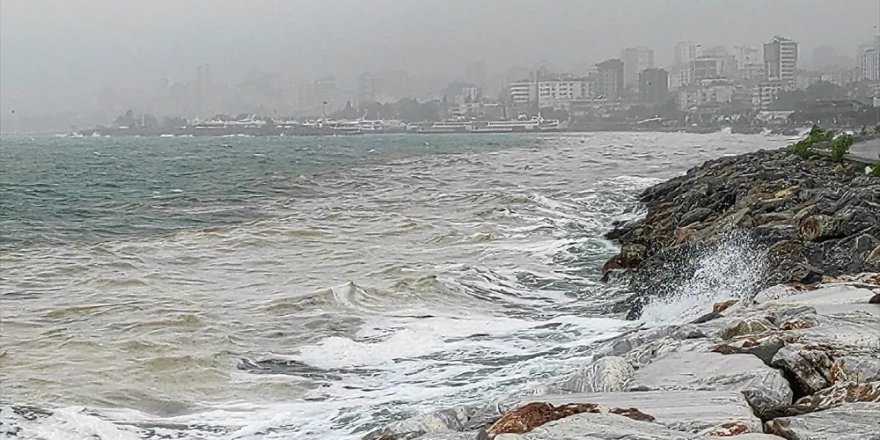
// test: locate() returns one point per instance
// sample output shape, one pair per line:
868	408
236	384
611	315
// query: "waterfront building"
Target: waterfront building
765	92
780	60
609	79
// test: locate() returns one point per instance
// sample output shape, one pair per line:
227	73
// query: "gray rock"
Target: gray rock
650	351
685	410
442	421
831	294
603	427
474	435
606	374
762	386
694	215
850	421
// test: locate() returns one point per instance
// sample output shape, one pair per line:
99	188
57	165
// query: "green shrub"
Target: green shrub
840	147
802	148
875	171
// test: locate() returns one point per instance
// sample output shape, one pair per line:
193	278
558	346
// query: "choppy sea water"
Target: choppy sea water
306	288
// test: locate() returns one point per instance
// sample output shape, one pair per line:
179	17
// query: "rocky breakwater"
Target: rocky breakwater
792	352
795	219
789	364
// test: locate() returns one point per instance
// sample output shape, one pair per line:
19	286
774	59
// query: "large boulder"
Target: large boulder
605	374
690	411
599	427
850	421
441	421
762	386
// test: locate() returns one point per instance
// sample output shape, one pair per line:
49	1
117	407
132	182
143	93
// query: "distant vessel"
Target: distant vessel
535	124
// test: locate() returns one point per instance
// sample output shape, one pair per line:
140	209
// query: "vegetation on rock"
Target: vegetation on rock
840	147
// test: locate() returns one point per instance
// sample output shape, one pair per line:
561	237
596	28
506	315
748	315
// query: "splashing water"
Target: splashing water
733	268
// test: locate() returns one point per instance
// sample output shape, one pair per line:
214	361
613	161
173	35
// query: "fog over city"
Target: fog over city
91	59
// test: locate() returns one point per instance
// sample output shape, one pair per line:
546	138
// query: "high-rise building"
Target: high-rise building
870	62
704	68
636	59
653	85
609	79
780	60
685	51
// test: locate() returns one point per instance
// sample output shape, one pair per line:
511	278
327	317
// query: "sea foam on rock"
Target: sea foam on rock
793	352
689	381
802	220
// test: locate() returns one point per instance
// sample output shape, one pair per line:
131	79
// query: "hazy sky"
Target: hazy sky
55	55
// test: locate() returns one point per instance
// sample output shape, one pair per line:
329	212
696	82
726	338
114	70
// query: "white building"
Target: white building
551	92
559	93
780	60
707	92
870	63
523	92
764	93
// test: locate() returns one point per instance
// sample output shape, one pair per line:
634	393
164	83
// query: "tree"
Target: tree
824	90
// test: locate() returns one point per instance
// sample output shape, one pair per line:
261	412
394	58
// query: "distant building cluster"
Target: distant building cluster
701	83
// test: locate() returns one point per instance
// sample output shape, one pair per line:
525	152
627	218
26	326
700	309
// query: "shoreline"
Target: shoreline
790	352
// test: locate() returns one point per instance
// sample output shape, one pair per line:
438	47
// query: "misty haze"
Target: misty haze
440	219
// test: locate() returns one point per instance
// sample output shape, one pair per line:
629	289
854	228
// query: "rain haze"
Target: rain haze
91	59
439	219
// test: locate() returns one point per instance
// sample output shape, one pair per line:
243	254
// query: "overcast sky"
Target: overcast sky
54	55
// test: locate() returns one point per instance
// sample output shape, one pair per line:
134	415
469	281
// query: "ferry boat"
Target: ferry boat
535	124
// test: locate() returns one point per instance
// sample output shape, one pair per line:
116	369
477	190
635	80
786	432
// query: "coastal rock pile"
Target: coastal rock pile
797	357
808	219
791	365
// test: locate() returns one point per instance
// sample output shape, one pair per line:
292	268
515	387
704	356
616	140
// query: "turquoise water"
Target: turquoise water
313	288
91	189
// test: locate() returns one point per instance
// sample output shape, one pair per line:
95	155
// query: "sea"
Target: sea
311	287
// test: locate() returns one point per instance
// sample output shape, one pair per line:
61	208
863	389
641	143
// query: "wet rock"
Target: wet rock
764	348
809	221
535	414
850	421
646	353
843	393
747	326
602	427
606	374
474	435
762	386
631	255
442	421
688	410
723	305
695	215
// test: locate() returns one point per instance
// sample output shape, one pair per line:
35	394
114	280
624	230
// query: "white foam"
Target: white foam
733	269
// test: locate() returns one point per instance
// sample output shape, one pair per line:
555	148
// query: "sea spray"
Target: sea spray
732	267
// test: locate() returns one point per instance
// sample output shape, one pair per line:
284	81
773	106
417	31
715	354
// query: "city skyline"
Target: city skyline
114	51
